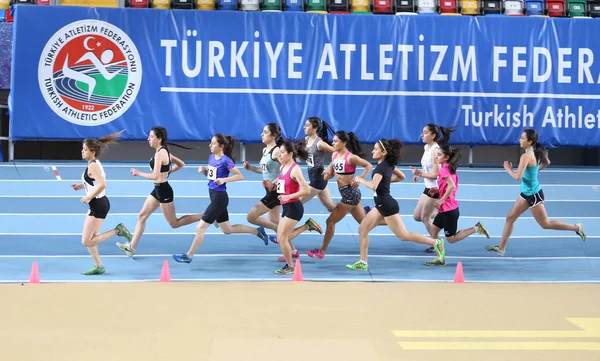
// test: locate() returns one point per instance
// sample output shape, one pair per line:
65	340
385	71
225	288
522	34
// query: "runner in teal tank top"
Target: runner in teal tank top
532	196
269	168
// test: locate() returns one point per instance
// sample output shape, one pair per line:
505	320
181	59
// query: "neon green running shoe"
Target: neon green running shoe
95	271
358	266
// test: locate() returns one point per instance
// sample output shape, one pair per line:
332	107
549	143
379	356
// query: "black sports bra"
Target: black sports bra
164	168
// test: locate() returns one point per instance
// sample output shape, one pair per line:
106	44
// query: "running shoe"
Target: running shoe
358	266
581	232
262	235
315	253
313	226
182	258
126	248
496	250
436	262
285	270
95	271
439	249
122	231
482	230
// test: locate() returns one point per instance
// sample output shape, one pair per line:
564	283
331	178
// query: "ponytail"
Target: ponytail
323	129
352	142
298	149
453	155
538	149
441	134
98	145
227	142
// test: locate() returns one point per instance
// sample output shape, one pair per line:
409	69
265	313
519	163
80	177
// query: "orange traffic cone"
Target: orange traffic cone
34	276
459	276
298	277
165	274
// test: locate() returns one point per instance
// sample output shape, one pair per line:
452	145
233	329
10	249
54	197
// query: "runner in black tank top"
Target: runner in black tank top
162	196
387	153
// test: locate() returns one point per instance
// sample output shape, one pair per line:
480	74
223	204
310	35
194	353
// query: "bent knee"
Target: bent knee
226	230
87	242
545	224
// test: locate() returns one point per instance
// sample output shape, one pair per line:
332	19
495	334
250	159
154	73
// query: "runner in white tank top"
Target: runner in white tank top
425	210
94	183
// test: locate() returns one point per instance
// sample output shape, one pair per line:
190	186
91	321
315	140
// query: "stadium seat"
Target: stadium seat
491	7
160	4
22	2
294	5
183	4
8	16
91	3
407	7
338	6
382	7
448	7
205	5
469	7
360	7
556	8
316	6
594	8
514	7
43	2
227	5
534	7
271	5
577	8
137	4
250	5
427	6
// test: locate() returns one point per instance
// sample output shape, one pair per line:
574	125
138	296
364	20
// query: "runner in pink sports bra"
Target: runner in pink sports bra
347	146
342	166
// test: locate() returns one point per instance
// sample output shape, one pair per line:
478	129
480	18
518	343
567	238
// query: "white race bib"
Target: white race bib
211	172
280	186
263	168
338	165
310	161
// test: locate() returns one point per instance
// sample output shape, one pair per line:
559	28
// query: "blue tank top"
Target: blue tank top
218	168
529	181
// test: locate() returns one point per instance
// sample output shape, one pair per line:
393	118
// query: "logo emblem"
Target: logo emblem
90	72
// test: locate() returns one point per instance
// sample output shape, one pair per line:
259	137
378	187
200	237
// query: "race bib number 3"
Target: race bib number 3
310	161
280	186
211	173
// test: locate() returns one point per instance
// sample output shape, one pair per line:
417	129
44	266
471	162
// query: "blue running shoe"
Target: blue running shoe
182	258
263	235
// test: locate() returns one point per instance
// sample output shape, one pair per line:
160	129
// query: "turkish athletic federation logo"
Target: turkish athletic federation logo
90	72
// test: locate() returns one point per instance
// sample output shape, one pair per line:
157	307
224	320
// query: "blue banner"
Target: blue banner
81	72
